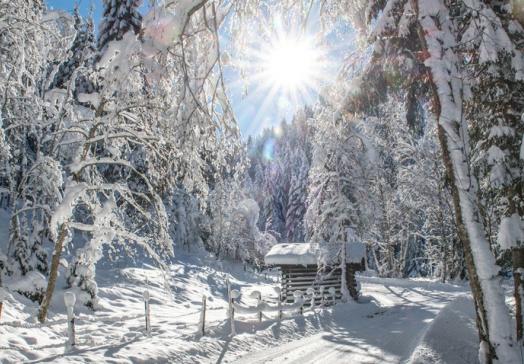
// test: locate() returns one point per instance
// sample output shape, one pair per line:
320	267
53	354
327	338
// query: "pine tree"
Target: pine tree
80	53
24	39
495	113
296	208
119	17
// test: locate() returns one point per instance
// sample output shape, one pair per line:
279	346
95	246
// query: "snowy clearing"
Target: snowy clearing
398	320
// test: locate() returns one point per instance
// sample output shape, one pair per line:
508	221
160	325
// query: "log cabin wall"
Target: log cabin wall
299	277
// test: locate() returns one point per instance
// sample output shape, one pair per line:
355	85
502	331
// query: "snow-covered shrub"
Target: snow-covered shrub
32	285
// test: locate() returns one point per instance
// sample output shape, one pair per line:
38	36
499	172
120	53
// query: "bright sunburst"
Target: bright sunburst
281	68
293	64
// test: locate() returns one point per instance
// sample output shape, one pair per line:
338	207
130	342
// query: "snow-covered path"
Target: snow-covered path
398	321
395	332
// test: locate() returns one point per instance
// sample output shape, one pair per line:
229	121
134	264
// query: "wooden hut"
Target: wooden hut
299	268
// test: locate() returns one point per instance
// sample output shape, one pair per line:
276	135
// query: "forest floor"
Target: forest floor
416	321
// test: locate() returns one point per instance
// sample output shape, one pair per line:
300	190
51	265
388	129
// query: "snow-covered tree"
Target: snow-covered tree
279	162
494	112
234	230
130	145
119	17
337	187
296	209
81	54
24	39
419	38
412	230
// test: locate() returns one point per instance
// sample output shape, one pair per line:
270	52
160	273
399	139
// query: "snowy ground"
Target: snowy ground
399	321
405	321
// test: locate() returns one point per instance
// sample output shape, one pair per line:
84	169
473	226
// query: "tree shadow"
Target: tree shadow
112	349
224	350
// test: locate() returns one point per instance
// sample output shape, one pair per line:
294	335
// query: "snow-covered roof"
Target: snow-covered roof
292	253
308	253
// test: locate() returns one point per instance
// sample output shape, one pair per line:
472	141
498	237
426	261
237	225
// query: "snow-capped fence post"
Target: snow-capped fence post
258	296
69	300
233	294
297	295
333	294
203	316
322	302
231	309
311	292
147	312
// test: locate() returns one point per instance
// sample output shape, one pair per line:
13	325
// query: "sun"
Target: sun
280	70
292	63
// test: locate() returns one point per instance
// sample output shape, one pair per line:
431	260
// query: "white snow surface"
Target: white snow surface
399	321
396	320
309	253
293	253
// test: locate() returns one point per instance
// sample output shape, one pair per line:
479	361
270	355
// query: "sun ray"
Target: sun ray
292	63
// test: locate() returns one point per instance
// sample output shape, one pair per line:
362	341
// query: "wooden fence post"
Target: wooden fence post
298	298
69	300
231	309
258	296
322	303
203	316
311	292
147	312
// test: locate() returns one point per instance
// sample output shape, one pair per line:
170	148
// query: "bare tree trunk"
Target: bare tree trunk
53	273
389	253
444	263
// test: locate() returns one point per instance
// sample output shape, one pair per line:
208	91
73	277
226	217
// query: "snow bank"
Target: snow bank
451	337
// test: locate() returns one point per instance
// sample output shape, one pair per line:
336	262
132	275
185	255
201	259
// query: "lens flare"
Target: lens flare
269	147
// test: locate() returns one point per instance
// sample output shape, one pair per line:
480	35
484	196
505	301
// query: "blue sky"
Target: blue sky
256	110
